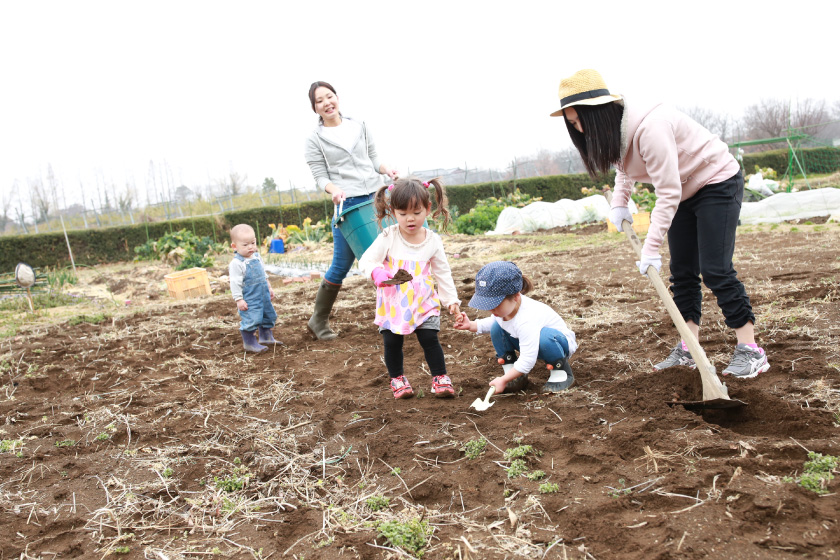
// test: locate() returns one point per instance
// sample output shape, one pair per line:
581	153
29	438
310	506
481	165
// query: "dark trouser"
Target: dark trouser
431	348
702	242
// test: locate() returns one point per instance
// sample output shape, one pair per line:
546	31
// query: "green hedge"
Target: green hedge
116	244
550	188
814	160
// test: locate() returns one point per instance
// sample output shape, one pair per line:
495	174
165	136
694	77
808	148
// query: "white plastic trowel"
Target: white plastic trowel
480	405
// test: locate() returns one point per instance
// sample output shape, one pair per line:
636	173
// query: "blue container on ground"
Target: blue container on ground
277	246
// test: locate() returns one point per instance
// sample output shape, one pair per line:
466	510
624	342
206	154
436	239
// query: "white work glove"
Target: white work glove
649	260
619	214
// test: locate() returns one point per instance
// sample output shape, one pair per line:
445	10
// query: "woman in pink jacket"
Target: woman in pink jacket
699	189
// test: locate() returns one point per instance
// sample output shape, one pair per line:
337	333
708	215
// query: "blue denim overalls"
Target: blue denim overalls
260	312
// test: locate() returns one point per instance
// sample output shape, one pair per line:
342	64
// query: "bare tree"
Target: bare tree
233	184
126	199
40	200
772	118
713	121
6	206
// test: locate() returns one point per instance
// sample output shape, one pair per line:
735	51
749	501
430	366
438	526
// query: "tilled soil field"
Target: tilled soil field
152	435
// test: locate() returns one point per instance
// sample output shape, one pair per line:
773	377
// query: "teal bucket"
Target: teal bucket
358	226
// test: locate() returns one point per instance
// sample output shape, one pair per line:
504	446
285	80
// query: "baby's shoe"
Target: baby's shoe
560	377
267	337
249	340
442	386
515	385
401	388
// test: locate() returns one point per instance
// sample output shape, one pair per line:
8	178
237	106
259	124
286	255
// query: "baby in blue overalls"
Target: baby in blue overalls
251	290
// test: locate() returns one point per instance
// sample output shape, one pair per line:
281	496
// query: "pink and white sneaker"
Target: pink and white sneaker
401	388
442	386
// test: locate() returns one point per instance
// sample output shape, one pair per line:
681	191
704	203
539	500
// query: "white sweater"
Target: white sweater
526	325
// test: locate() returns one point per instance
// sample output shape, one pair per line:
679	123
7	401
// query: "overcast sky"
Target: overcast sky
100	89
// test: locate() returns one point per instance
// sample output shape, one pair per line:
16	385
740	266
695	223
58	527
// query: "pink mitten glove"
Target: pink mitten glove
380	275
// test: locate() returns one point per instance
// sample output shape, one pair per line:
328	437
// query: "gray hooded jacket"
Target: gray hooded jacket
356	172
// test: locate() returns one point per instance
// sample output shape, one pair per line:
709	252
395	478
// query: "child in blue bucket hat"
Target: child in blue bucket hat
519	323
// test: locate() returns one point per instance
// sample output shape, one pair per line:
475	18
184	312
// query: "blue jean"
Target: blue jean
553	344
343	256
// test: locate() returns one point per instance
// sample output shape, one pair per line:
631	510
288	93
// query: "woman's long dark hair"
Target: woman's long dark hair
600	142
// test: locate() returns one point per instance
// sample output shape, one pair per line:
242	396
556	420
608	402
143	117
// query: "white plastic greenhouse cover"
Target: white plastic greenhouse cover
792	206
565	212
547	215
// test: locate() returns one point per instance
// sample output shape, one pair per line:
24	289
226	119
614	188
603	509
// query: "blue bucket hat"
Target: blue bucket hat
493	283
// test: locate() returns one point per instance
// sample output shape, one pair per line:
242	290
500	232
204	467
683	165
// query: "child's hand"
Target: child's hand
270	292
455	309
380	275
463	322
499	383
241	305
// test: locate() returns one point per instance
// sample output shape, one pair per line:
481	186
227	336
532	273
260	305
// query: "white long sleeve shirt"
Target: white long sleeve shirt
526	325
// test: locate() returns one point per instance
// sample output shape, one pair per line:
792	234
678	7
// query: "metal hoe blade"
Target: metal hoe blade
480	405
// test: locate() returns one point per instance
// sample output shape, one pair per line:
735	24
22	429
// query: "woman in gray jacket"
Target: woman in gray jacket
342	156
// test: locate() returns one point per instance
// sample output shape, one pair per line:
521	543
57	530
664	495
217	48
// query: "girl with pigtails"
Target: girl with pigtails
409	249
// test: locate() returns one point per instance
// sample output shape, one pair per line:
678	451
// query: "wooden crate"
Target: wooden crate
189	283
641	223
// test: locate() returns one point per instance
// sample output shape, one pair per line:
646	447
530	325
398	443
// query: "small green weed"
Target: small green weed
518	452
167	472
378	503
411	536
474	448
536	475
818	472
549	488
621	490
122	549
10	445
230	483
396	471
517	468
65	443
102	437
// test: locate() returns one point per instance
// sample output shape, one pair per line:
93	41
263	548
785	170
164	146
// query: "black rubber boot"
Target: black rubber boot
267	337
520	382
319	323
560	377
249	340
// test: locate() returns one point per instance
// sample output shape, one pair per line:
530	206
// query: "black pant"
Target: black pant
702	242
431	348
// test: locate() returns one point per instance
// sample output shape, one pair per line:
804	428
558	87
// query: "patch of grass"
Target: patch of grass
378	503
10	445
65	443
517	468
549	488
474	448
93	319
412	536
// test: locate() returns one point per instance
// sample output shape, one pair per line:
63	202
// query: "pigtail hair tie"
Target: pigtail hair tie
425	184
391	187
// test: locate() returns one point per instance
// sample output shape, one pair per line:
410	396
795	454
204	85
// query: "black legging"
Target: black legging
431	348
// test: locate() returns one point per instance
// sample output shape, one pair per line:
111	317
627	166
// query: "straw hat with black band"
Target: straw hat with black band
584	87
